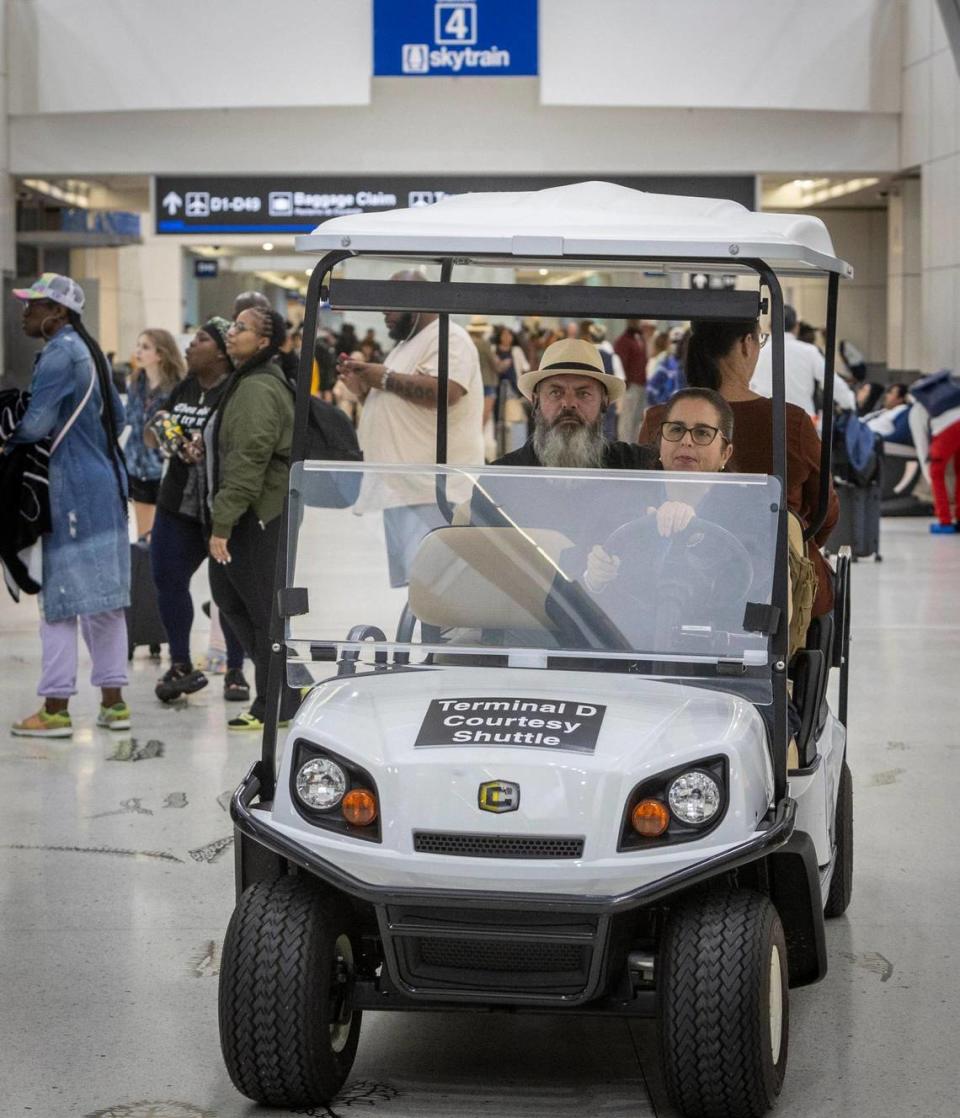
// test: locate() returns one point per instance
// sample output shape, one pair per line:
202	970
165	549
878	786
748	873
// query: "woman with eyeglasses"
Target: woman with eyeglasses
248	451
696	435
722	356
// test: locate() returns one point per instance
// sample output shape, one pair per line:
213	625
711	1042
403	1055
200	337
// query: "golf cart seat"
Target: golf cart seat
485	578
810	672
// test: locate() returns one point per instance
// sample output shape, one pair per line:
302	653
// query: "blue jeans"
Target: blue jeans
177	548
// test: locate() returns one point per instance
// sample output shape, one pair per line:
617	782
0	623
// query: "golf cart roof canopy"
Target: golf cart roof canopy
589	220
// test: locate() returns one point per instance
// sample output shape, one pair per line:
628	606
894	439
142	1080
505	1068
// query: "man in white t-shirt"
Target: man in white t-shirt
803	369
399	422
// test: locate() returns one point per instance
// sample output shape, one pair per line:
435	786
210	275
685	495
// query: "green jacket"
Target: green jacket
254	434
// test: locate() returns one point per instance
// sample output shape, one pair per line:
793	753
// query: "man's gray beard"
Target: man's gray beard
564	446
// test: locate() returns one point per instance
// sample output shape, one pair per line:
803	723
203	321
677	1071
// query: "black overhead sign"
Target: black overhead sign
547	724
297	204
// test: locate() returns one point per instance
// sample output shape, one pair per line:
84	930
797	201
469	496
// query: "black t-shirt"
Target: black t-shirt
181	488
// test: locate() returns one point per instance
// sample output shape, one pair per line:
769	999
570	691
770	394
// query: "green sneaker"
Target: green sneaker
116	717
248	721
43	725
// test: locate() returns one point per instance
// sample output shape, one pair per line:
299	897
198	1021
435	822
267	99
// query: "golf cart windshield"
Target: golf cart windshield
645	571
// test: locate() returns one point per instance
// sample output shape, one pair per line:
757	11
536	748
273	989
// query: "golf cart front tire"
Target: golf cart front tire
287	1032
724	1011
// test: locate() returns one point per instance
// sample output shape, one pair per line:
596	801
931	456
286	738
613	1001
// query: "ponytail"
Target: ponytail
108	416
709	343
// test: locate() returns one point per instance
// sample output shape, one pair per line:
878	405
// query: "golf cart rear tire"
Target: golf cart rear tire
841	884
724	1010
280	1042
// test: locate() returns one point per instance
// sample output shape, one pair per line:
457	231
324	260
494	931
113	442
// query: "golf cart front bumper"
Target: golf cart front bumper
486	947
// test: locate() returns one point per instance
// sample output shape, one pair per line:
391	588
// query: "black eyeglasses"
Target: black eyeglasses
701	433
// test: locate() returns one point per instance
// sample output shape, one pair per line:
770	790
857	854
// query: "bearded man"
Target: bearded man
570	393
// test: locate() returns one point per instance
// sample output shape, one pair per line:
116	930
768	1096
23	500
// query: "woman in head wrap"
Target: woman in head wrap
178	544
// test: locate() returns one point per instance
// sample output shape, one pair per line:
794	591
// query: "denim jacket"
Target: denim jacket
86	556
143	462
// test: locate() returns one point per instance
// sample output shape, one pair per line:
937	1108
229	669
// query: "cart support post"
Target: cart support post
443	372
276	675
826	427
781	584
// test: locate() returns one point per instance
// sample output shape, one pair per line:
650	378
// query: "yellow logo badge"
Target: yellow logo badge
499	796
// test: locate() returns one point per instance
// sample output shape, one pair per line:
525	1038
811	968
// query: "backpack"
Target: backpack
803	585
331	437
938	392
856	449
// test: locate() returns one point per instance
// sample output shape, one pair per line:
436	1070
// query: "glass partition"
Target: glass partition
642	571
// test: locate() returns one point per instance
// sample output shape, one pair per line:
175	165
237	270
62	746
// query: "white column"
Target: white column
904	277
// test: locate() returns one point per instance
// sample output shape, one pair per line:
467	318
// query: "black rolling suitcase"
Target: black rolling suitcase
858	525
143	615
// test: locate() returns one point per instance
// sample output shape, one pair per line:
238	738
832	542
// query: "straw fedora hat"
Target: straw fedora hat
570	355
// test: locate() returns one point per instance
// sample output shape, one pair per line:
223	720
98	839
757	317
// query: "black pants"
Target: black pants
243	590
177	548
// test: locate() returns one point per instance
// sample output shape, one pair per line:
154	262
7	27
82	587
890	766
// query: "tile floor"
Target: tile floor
116	884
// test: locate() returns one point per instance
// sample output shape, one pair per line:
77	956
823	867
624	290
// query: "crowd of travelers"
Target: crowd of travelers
201	447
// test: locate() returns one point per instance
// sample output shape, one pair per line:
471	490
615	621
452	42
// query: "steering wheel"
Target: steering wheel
698	558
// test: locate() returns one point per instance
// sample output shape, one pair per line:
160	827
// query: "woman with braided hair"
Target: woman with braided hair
248	444
86	555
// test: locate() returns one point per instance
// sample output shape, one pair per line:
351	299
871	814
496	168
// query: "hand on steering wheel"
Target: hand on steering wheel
602	567
672	517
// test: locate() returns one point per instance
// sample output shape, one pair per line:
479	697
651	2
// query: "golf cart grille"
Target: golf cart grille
501	958
513	955
497	846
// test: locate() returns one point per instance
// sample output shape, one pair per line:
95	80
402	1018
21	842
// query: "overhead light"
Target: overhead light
544	271
267	246
308	271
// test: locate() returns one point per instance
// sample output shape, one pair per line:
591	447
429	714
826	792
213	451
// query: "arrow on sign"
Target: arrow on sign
172	203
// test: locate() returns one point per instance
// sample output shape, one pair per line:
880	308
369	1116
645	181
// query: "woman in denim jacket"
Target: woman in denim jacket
86	555
159	369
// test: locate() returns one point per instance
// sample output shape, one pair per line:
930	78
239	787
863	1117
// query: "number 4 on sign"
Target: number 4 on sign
455	23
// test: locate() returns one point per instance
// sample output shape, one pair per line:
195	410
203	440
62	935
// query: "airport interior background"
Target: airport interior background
166	156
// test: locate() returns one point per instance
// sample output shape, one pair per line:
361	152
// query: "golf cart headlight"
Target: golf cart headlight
321	784
694	797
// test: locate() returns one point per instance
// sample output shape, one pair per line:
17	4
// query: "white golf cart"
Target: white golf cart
506	790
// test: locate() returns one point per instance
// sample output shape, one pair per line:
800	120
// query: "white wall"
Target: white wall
754	54
468	125
931	140
81	56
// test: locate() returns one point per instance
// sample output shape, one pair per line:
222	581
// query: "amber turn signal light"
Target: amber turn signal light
650	818
359	807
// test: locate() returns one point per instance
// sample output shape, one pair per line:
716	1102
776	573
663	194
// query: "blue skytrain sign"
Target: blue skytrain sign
455	38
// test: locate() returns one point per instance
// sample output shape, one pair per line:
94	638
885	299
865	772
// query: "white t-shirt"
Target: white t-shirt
803	369
394	430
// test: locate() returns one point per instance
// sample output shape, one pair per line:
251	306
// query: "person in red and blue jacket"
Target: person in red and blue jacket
935	425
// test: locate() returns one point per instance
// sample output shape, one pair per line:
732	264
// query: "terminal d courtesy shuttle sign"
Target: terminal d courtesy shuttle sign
537	723
454	38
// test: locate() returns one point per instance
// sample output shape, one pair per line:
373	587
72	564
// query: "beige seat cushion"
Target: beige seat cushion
485	578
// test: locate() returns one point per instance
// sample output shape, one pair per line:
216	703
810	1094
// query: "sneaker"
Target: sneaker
943	529
181	679
235	687
44	725
116	717
248	721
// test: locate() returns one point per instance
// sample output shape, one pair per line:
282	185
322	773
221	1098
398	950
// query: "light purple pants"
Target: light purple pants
104	634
